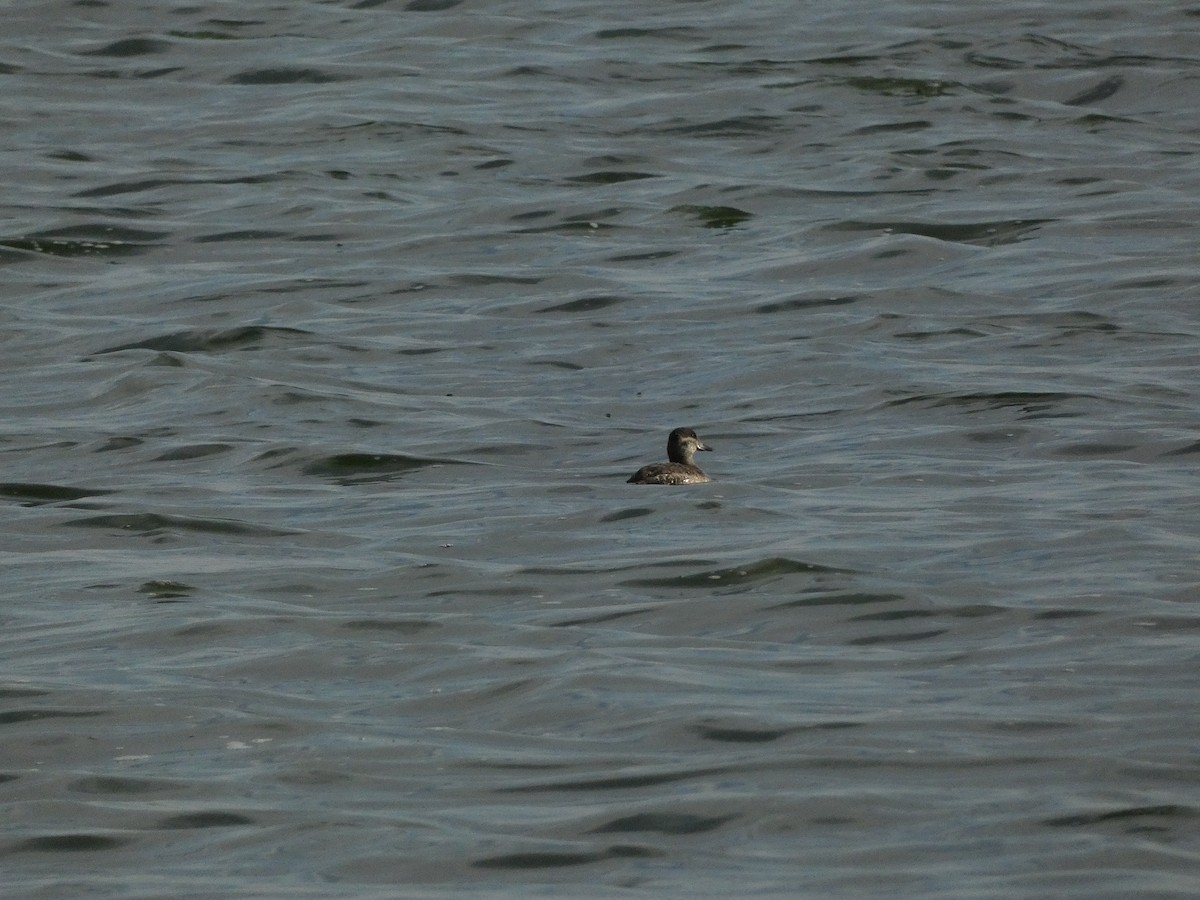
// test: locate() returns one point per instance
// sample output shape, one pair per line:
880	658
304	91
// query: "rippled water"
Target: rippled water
333	330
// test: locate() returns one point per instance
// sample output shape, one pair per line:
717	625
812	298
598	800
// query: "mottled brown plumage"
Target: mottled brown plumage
681	451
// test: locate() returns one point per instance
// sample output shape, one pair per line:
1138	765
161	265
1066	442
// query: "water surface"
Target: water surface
333	330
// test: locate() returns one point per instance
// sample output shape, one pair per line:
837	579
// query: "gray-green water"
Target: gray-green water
331	332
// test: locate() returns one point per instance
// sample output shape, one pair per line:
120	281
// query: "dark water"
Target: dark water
332	331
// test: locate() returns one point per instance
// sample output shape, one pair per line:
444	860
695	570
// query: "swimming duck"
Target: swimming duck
681	450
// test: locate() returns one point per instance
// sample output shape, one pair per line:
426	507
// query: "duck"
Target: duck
682	469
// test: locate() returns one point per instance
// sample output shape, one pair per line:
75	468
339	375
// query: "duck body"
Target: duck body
682	469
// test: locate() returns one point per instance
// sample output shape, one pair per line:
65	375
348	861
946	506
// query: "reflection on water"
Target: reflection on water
332	333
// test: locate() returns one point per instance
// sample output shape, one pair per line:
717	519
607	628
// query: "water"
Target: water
333	330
